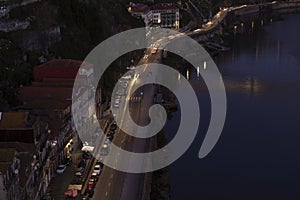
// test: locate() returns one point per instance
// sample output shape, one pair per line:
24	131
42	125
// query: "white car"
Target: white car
61	169
117	103
97	169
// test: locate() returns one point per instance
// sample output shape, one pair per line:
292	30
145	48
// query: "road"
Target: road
115	184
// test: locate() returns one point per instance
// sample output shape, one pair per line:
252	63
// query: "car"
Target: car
113	126
47	196
81	164
91	184
104	149
86	155
97	169
61	169
107	141
68	161
111	132
90	193
99	162
92	179
126	77
94	176
79	169
78	174
116	104
124	84
110	137
85	197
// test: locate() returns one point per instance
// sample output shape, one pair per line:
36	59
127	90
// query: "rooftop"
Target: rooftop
25	154
139	8
61	63
6	157
46	97
163	6
13	120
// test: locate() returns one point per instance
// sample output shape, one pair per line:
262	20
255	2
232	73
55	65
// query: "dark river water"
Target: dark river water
258	154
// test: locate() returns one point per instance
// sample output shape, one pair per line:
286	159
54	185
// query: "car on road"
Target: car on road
85	197
91	184
47	196
79	171
68	161
97	169
99	162
104	149
116	103
86	155
111	132
113	126
110	137
89	193
61	169
94	176
124	84
81	163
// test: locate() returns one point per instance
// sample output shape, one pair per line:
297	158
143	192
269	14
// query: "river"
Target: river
258	154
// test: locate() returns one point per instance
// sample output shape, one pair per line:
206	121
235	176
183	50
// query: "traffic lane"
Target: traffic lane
134	183
114	184
111	181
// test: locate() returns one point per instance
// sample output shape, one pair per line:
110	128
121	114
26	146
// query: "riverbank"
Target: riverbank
161	185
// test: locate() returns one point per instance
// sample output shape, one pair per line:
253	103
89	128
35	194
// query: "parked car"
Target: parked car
110	137
80	169
86	155
113	126
85	197
61	169
99	162
47	196
111	132
89	192
97	169
94	176
81	163
68	161
117	103
91	184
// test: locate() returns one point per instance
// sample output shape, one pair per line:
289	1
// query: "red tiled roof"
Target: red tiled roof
59	68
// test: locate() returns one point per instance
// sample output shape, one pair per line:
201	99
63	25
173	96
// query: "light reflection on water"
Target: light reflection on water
257	156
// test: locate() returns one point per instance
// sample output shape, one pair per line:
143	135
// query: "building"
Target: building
32	131
51	96
9	177
165	15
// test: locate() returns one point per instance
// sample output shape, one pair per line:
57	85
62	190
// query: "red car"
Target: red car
91	184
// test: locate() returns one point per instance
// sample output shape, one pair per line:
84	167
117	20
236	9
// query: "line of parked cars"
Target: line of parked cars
89	192
92	181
